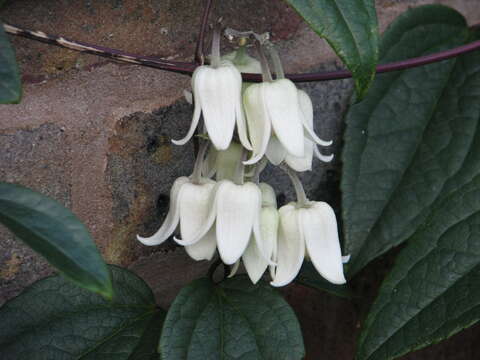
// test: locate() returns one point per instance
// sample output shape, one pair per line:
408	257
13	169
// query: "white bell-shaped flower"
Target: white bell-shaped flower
189	209
276	152
312	228
217	94
189	202
255	260
234	212
307	227
311	139
273	107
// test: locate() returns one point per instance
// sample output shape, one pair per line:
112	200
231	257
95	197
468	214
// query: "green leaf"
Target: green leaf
55	233
308	276
148	344
54	319
351	29
232	320
10	83
432	292
409	137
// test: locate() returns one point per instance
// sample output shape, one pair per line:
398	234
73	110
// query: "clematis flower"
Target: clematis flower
307	228
254	259
217	94
304	163
234	213
189	208
280	122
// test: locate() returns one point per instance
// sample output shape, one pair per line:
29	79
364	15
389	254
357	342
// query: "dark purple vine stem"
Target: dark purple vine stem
188	68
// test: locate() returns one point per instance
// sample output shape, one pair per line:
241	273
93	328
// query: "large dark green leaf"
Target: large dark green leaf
55	233
232	320
309	276
10	84
433	291
350	27
410	136
54	319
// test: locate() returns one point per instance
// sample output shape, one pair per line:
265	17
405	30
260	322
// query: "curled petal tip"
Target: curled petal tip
182	141
184	242
324	158
278	284
346	259
253	160
149	241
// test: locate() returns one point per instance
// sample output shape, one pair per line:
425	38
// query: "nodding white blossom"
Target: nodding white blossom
280	122
189	203
234	213
310	228
255	260
302	163
217	95
307	228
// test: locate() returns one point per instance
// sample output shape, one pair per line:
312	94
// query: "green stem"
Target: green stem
302	199
197	168
266	74
215	58
277	63
239	176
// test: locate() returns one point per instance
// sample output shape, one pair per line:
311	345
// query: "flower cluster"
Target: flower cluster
237	214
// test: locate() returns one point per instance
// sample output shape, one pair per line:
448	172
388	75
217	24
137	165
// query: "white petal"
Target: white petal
273	268
313	137
264	225
291	247
302	163
319	226
256	260
194	201
240	116
281	99
237	207
219	93
188	96
275	153
346	259
234	269
306	107
259	125
196	112
204	226
171	221
205	248
320	156
253	261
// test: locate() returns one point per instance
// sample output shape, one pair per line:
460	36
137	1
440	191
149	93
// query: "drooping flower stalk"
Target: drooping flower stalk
302	199
215	57
266	74
277	63
197	167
